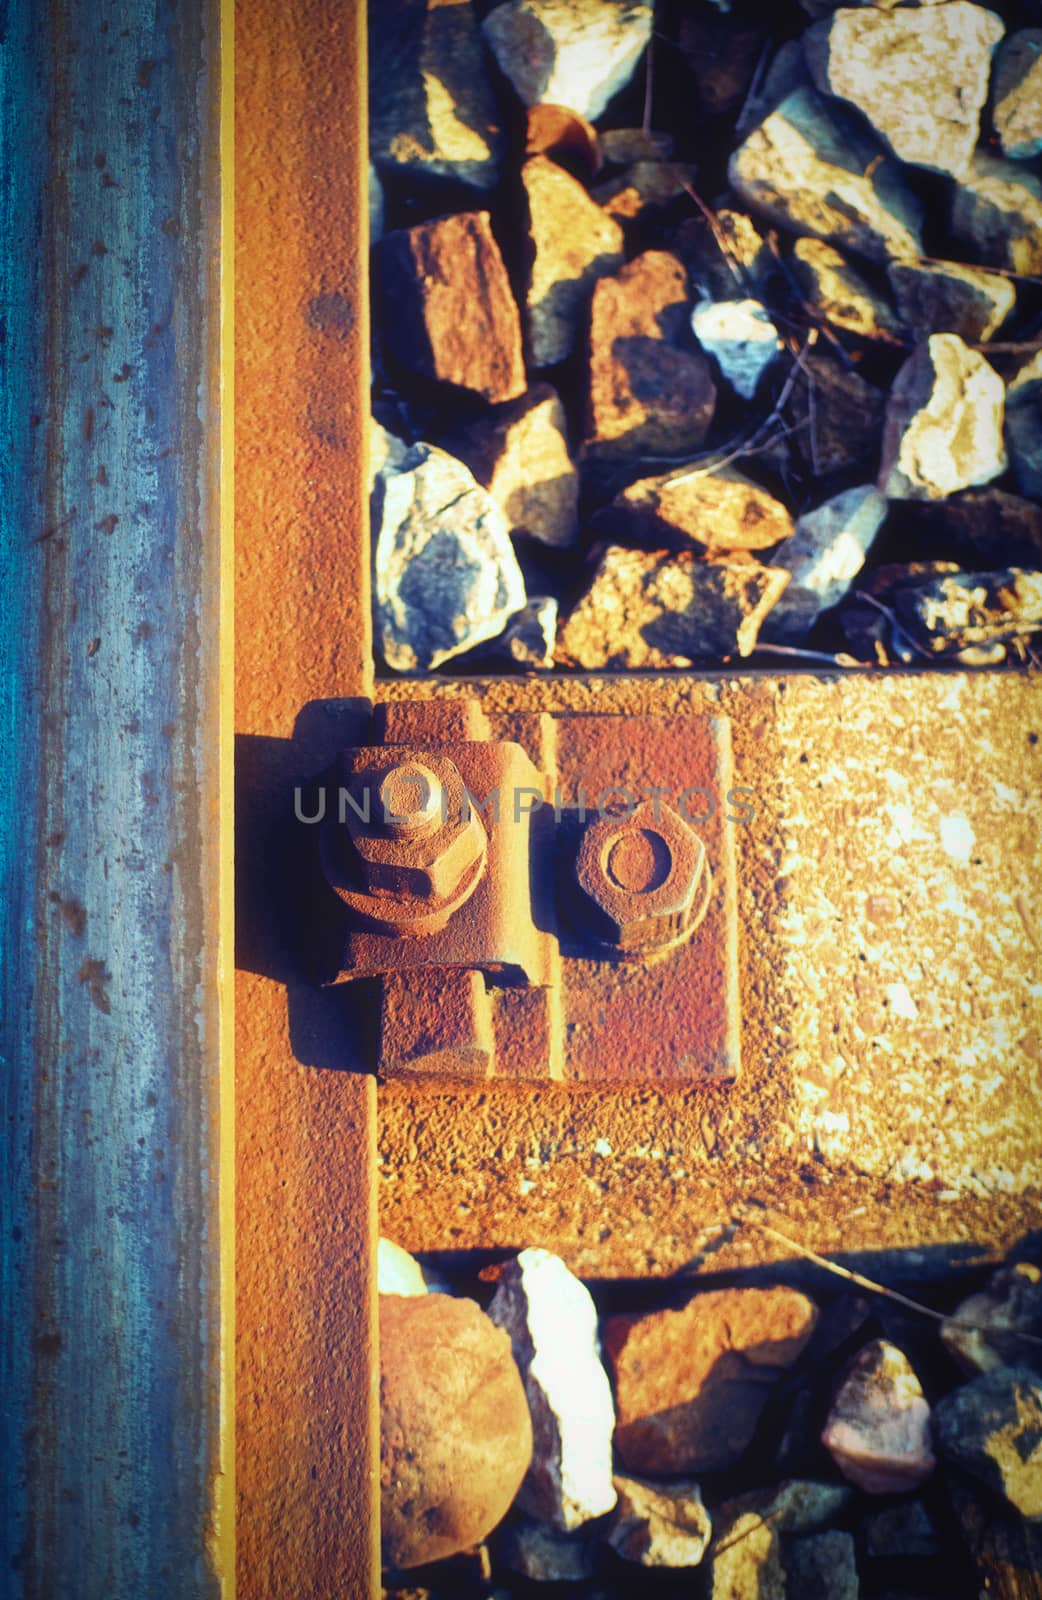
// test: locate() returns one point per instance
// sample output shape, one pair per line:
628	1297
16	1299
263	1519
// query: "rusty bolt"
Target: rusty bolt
418	847
409	800
644	878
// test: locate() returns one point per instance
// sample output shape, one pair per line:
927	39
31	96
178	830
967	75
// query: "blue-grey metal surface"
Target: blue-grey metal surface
109	918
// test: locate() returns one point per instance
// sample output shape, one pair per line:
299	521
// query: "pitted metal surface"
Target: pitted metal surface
514	883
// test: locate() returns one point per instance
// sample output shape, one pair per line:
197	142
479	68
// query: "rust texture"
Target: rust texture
645	878
888	898
307	1364
426	886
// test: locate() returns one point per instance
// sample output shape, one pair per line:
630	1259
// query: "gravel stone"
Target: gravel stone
445	574
919	75
956	611
837	417
455	1434
741	338
824	556
982	529
741	273
795	1505
659	1524
624	147
530	636
821	1568
650	390
943	423
1024	426
519	453
552	1323
691	1384
1017	95
448	313
839	294
638	193
543	1554
905	1532
996	210
660	609
878	1431
397	1271
746	1562
951	298
992	1428
574	243
716	508
432	111
810	170
574	53
1009	1306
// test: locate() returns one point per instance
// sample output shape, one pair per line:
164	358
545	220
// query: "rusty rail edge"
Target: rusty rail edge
113	1395
307	1357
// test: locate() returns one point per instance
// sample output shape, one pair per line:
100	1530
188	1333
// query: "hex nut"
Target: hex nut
418	845
644	878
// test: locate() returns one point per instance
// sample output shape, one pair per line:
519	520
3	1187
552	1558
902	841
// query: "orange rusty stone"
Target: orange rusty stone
651	391
690	1385
449	315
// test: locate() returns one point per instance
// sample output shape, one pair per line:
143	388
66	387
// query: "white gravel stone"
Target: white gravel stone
824	555
741	338
387	453
1024	426
574	243
982	1332
434	112
943	424
812	170
660	1524
446	576
530	637
376	206
1017	95
996	210
992	1428
397	1272
574	53
838	292
878	1431
919	74
546	1555
552	1323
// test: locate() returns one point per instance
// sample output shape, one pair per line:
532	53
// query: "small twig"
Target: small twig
733	265
1001	272
841	660
859	1279
649	85
812	413
813	316
859	594
755	84
795	370
757	446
